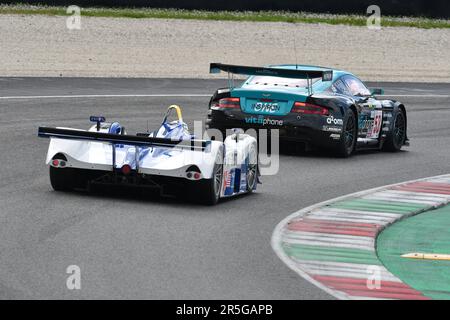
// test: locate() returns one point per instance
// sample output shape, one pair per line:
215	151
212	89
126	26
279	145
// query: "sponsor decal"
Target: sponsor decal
373	104
266	72
268	107
335	136
227	179
227	186
331	129
263	121
366	124
386	103
335	121
372	125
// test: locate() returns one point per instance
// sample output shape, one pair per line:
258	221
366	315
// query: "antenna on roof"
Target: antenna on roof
295	52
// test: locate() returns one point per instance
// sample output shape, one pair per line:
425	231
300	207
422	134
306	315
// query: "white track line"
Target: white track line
178	95
104	96
417	95
276	236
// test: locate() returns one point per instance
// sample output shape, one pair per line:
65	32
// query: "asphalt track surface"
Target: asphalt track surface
155	248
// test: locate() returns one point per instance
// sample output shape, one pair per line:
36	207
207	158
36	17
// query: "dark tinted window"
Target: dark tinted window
278	82
355	86
339	87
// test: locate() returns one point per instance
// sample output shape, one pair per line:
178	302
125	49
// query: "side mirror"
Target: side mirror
376	91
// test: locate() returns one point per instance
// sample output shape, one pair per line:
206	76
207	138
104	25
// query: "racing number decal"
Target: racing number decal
374	132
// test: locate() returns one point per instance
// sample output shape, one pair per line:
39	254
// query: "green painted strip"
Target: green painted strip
400	204
269	16
382	204
379	206
318	253
427	233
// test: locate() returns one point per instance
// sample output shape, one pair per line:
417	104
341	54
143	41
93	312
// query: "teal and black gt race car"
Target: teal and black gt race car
318	106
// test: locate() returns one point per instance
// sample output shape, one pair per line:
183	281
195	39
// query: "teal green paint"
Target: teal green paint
428	232
322	253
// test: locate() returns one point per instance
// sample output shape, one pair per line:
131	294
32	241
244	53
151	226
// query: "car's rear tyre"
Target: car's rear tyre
349	136
62	179
396	139
208	190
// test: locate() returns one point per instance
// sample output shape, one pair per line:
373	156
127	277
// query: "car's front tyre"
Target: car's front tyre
396	139
208	191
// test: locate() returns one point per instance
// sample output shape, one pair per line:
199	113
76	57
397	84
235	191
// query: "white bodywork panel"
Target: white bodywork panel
159	161
237	153
171	162
240	151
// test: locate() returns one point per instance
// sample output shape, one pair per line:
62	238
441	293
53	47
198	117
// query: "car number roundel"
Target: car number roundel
374	132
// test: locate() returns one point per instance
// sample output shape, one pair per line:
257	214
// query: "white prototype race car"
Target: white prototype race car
169	159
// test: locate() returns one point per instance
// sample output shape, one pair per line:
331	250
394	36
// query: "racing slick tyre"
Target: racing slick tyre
396	139
61	179
208	191
349	135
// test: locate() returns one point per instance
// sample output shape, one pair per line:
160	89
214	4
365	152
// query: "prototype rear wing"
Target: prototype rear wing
134	140
326	75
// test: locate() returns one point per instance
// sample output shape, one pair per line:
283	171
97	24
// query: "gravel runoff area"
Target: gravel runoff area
120	47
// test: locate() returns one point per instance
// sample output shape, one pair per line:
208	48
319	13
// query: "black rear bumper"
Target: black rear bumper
311	129
162	185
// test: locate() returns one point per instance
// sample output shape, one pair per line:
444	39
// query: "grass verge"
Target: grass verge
261	16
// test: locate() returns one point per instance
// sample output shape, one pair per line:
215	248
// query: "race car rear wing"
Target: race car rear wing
134	140
309	75
326	75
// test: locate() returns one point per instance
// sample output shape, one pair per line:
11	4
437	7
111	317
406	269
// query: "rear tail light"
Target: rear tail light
58	163
308	108
193	175
229	103
126	169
